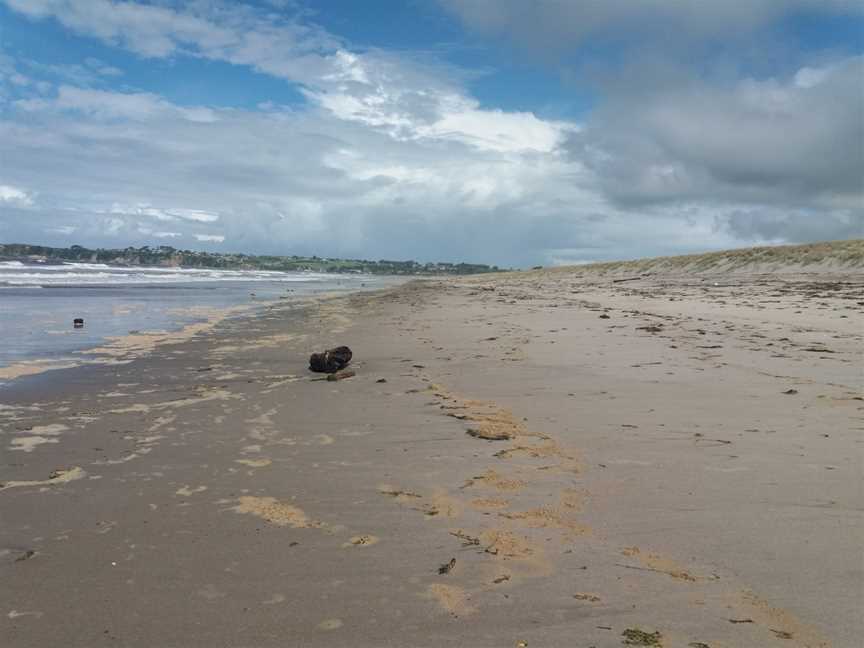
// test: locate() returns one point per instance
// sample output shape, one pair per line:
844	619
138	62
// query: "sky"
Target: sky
507	132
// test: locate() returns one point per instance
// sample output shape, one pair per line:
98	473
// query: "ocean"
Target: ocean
38	302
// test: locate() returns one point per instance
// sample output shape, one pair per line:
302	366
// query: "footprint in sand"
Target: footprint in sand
29	443
187	490
254	463
361	541
330	624
451	598
275	512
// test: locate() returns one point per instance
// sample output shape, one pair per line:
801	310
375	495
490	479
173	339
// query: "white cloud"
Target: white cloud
500	131
210	238
62	229
15	196
102	68
165	214
116	105
401	96
216	30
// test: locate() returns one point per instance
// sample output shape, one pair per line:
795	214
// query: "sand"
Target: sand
674	460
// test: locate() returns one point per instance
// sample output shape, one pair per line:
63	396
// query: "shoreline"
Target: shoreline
585	458
122	348
117	349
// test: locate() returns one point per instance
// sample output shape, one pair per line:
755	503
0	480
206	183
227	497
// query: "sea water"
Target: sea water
38	302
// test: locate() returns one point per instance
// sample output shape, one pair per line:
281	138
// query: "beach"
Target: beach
551	458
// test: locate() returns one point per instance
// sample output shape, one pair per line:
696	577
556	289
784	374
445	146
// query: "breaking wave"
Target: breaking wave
15	273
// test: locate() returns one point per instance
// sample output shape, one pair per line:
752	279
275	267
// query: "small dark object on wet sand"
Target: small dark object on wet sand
651	328
330	361
604	316
78	322
791	391
446	568
340	375
637	637
381	380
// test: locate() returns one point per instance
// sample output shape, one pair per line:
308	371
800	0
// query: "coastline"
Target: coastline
119	349
685	465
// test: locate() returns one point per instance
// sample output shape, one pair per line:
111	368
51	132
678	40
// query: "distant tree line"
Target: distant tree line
167	256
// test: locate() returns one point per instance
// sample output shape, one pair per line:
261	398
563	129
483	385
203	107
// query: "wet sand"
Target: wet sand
541	459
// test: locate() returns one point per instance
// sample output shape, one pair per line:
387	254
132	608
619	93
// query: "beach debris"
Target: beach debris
466	539
57	476
650	328
740	620
637	637
791	391
340	375
626	279
492	425
396	492
362	541
447	567
604	316
78	322
502	579
591	598
381	380
331	360
781	634
491	433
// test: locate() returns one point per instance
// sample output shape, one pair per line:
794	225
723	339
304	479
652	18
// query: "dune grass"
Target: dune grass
828	255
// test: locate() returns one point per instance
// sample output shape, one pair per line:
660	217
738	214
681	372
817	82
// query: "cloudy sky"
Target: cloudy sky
509	132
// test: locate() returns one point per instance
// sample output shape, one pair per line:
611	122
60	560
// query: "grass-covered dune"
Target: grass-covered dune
825	257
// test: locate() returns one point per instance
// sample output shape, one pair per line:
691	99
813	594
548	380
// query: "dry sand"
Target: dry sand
551	459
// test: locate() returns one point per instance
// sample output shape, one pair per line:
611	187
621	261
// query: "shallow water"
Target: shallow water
38	302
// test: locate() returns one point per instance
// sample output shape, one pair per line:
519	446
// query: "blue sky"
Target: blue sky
507	131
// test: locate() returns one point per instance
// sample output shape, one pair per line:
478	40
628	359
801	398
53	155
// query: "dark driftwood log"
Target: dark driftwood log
330	361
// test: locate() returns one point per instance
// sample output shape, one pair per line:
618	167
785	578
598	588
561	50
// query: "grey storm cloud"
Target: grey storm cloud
797	140
779	154
556	25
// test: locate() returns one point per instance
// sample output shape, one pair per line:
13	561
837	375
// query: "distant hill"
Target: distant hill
830	256
167	256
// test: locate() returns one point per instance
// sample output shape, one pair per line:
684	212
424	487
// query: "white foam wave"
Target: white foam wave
14	273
